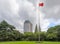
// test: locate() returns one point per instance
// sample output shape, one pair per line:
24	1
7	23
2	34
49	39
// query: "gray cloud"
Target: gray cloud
52	9
15	12
51	3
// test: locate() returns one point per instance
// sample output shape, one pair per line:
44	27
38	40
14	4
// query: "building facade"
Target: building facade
28	26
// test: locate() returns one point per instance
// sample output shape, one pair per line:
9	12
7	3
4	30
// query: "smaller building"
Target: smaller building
28	26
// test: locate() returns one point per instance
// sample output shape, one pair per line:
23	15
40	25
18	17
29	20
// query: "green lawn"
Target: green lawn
28	42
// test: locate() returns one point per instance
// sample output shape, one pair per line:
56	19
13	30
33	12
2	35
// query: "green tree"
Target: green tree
43	36
54	32
51	36
8	32
5	26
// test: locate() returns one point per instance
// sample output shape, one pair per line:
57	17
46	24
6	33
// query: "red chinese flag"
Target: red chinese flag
41	4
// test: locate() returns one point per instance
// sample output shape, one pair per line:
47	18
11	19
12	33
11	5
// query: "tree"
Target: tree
28	36
54	32
43	36
51	36
5	26
7	32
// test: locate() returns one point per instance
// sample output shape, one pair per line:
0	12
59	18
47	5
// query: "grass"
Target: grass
29	42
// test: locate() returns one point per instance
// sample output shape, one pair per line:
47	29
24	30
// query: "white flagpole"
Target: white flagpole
37	9
38	17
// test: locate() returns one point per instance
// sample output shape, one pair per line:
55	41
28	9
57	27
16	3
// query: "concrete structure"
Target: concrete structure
27	26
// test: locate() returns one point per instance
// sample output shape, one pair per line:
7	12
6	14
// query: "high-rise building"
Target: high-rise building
27	26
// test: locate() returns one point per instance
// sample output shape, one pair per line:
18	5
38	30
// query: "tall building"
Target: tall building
27	26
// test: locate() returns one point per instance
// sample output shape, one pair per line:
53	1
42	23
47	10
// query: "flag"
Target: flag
41	4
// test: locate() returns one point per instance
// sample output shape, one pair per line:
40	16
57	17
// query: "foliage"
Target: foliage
9	33
54	33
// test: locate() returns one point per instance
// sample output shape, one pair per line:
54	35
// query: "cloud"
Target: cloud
52	9
44	23
9	11
52	12
27	12
15	12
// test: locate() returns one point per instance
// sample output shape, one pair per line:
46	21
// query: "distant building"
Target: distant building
27	26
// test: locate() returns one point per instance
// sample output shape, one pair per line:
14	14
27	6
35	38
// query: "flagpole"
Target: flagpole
41	4
38	16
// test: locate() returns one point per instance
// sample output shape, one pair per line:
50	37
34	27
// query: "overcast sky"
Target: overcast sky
15	12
